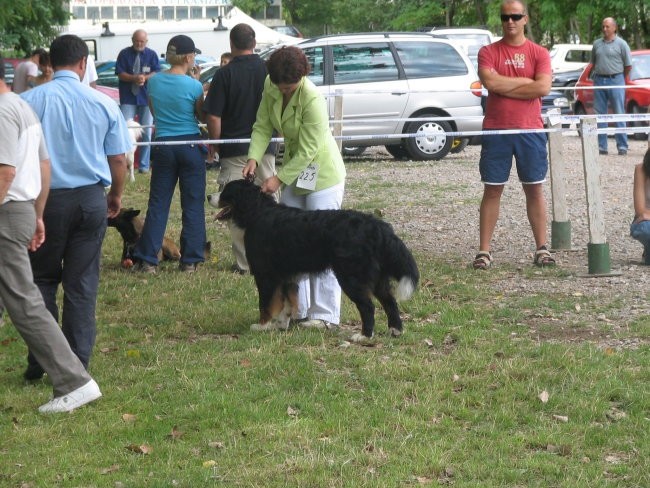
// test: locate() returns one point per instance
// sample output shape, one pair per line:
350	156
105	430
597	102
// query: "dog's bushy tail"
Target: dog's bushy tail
402	268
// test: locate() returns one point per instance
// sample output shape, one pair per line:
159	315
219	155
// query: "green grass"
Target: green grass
453	401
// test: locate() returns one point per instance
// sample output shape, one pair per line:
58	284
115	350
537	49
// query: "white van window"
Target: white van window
364	63
428	59
315	58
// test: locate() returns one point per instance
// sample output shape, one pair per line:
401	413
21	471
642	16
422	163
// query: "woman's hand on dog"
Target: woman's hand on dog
271	185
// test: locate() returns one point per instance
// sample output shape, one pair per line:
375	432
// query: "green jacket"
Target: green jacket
306	131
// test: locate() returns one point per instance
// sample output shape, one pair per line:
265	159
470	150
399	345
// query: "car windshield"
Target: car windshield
640	67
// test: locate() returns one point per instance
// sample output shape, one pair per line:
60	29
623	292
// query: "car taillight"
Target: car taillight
477	88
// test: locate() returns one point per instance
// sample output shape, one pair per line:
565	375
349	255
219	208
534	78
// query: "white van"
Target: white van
468	39
570	57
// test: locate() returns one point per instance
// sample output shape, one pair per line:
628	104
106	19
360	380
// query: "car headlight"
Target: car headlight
561	102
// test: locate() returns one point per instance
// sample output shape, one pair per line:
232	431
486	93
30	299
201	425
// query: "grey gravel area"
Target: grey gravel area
448	228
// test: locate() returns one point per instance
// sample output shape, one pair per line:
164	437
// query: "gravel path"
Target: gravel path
448	228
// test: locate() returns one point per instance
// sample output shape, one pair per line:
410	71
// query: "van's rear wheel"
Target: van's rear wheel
432	142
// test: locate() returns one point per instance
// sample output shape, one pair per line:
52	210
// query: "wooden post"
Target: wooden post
337	128
560	224
597	249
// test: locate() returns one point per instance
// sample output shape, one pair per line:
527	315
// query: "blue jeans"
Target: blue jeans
615	97
641	232
144	118
186	165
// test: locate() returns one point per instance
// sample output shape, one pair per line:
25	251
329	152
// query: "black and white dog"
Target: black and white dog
282	243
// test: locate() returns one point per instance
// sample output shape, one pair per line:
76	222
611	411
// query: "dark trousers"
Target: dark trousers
75	225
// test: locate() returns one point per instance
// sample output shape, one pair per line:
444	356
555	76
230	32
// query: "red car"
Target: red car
637	98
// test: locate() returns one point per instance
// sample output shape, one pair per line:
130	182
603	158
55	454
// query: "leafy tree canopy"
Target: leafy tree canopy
28	24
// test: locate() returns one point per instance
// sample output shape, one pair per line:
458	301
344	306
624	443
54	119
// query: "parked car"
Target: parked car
469	39
569	57
112	92
106	72
637	97
288	30
567	79
388	77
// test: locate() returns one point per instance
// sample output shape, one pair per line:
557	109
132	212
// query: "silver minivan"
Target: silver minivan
385	78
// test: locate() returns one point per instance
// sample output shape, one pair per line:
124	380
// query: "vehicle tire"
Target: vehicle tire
638	136
397	151
458	145
434	144
353	150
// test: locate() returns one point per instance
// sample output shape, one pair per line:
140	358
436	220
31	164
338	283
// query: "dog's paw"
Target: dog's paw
395	332
360	339
213	200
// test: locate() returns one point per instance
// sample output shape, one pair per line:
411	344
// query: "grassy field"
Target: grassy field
465	397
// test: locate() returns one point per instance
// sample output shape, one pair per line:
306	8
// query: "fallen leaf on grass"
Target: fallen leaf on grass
543	396
129	417
216	445
140	449
428	342
132	353
106	350
292	412
245	363
561	418
209	463
110	469
175	433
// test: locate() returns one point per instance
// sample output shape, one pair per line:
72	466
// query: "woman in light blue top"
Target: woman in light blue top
175	100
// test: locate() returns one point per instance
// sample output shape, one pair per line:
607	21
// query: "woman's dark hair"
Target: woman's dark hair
287	65
646	164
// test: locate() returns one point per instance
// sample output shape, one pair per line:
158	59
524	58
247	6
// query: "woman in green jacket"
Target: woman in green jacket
312	175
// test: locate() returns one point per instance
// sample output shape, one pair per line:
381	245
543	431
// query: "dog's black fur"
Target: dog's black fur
283	242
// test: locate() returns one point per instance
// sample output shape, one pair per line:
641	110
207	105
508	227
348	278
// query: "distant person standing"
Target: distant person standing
135	65
27	71
231	107
88	141
612	63
516	73
24	185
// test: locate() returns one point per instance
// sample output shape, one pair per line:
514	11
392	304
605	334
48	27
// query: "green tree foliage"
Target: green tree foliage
28	24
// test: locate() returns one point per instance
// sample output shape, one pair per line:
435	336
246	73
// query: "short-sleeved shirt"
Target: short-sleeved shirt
149	63
23	70
22	146
526	61
173	98
234	96
610	57
82	126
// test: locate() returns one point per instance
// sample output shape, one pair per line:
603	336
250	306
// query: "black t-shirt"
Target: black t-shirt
234	95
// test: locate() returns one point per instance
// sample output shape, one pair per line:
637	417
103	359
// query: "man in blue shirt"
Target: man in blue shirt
87	141
134	66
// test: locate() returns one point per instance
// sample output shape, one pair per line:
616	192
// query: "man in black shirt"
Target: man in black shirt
231	106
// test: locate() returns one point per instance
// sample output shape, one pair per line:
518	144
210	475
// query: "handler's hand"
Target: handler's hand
39	236
271	184
249	170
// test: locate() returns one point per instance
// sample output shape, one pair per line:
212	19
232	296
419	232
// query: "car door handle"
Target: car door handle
398	93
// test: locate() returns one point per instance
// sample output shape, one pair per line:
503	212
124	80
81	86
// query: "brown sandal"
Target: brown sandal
543	257
483	260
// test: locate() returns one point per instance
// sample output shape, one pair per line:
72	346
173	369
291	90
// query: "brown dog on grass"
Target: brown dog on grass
129	224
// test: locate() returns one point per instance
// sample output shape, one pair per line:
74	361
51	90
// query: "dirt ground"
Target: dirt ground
449	230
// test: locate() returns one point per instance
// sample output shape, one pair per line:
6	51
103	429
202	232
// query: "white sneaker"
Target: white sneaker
317	324
75	399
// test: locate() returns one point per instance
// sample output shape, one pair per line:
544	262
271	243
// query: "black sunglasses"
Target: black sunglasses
514	17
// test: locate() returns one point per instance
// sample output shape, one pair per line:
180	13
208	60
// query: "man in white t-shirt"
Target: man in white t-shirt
24	188
90	77
27	71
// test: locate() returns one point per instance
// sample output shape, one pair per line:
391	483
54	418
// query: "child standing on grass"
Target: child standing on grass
640	228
